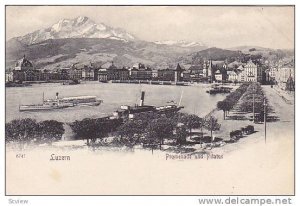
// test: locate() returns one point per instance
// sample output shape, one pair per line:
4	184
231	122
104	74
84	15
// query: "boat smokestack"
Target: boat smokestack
142	99
56	97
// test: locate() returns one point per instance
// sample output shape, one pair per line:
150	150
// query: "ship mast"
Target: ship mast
180	98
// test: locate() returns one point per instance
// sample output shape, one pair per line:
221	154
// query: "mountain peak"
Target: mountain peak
81	18
180	43
79	27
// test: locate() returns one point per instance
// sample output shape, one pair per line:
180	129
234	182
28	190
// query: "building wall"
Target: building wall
141	74
219	77
166	75
251	72
232	76
88	74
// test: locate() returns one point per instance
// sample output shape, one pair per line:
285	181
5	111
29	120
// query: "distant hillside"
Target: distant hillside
246	49
215	54
243	54
54	53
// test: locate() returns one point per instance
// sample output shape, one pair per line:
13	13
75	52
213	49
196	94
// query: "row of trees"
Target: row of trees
228	103
29	130
91	129
156	128
254	97
148	129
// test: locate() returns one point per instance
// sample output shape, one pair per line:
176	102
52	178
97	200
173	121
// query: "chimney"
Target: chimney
142	99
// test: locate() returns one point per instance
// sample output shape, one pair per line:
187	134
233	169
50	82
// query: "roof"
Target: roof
79	97
196	67
240	67
106	65
87	68
112	66
178	67
220	63
250	63
186	72
231	73
139	66
24	62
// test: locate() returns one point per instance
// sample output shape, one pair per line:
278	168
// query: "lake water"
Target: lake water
194	99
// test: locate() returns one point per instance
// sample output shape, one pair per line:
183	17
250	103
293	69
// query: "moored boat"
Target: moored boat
219	90
129	112
60	103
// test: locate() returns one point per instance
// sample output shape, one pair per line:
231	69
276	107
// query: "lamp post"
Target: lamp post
265	119
253	105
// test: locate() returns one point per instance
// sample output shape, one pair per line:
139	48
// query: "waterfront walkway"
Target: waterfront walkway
279	132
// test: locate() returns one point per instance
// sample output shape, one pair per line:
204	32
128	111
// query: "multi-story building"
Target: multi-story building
154	74
75	73
283	74
220	75
45	75
32	75
123	73
102	75
63	74
23	65
24	71
186	76
141	74
232	76
8	76
196	73
112	73
88	73
250	71
207	69
170	74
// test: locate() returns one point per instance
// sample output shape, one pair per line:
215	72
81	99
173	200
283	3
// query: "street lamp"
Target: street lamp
265	119
253	104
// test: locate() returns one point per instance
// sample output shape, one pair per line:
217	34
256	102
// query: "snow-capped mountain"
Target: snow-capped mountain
80	27
180	43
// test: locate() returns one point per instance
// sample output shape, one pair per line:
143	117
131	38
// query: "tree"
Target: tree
212	124
51	130
181	134
91	129
132	130
86	129
159	129
224	105
290	84
191	121
22	130
235	81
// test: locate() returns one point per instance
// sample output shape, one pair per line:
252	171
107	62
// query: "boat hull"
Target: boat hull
24	108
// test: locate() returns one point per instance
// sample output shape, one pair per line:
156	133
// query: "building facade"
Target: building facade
250	71
88	73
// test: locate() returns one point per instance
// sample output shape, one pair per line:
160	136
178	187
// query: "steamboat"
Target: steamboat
129	112
60	103
219	90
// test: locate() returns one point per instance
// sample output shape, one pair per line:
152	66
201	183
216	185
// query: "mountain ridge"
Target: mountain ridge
80	27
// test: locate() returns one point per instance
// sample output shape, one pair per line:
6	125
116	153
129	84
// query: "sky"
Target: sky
220	26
